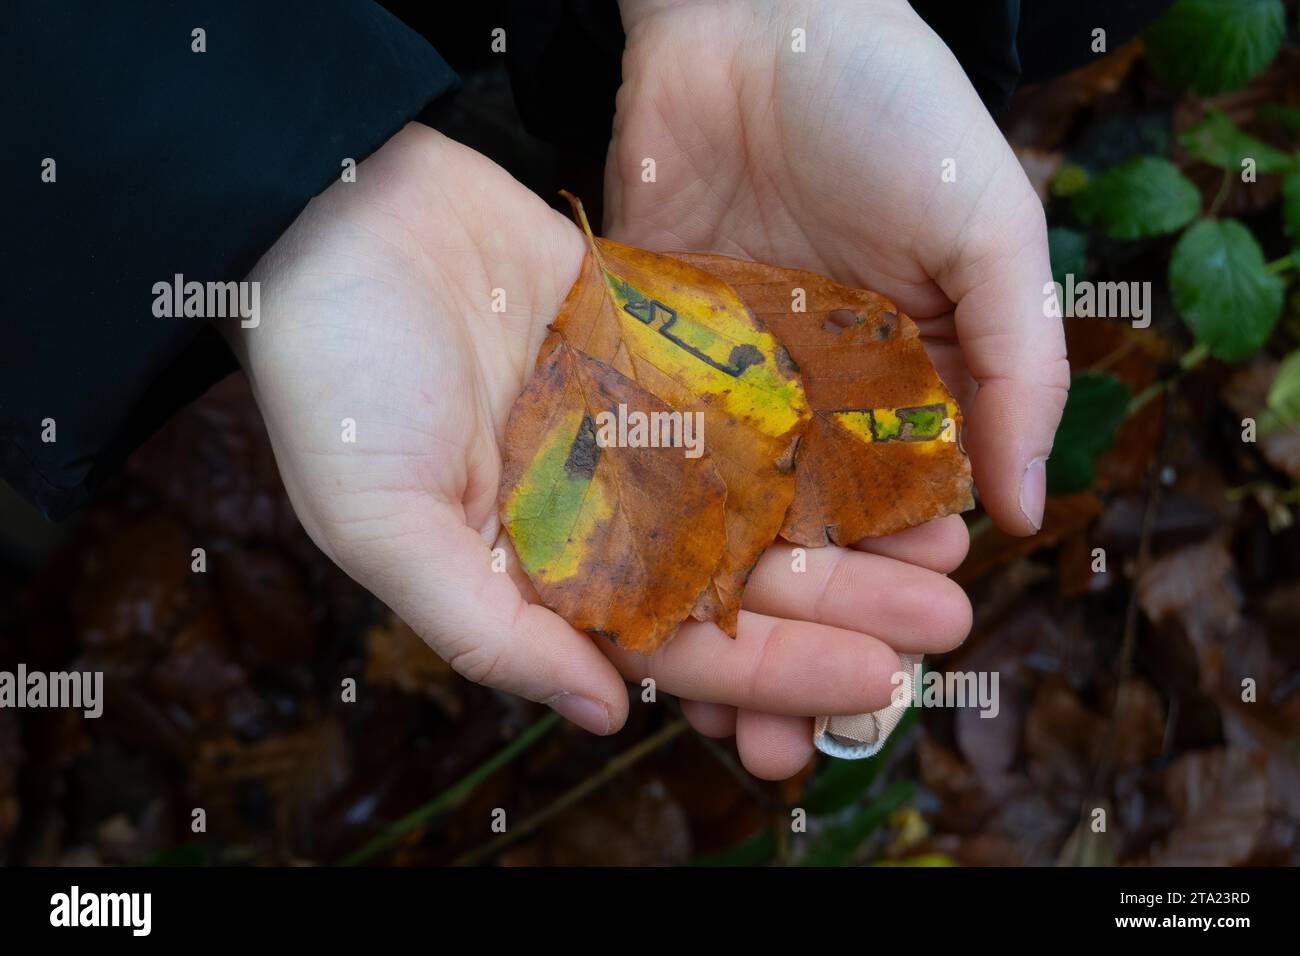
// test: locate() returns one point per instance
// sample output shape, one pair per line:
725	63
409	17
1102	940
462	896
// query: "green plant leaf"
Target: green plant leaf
1211	46
1068	249
1216	140
1097	405
1070	178
1222	290
1283	396
836	845
1145	196
757	850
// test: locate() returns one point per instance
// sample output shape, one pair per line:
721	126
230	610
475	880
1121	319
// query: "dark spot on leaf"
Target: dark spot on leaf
743	356
583	453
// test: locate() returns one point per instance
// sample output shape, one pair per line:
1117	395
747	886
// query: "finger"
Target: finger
1014	349
440	580
911	609
940	545
709	719
774	665
773	746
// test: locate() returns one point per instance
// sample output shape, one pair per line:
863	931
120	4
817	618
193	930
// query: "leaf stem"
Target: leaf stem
453	794
1279	265
1191	358
579	213
1221	195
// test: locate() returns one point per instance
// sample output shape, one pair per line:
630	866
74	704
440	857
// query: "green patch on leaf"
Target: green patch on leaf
1145	196
1222	289
1097	405
1211	46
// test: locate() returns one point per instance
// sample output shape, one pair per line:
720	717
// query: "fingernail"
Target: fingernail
1033	492
586	713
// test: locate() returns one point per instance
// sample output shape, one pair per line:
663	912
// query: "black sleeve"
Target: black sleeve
130	158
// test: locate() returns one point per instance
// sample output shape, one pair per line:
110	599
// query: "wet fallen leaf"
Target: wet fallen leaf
1223	803
624	525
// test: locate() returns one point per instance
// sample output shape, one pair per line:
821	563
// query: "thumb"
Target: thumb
442	582
1014	348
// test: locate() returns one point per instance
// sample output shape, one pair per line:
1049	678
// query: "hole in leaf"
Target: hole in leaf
841	319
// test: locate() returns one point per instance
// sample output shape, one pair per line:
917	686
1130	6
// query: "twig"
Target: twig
453	794
612	769
1191	358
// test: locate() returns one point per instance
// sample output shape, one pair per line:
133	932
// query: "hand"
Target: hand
832	160
375	307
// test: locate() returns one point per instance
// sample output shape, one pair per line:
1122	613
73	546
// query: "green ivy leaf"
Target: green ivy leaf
1211	46
1145	196
1222	290
1097	405
1283	396
1068	249
1217	140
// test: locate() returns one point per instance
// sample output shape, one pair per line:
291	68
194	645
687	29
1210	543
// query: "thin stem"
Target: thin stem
453	794
1221	195
612	769
1279	265
1191	358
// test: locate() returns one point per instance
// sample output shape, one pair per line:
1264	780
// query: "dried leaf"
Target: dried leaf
686	337
592	524
882	452
645	335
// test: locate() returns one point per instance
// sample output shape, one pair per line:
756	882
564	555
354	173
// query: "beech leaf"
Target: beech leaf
593	524
817	431
882	452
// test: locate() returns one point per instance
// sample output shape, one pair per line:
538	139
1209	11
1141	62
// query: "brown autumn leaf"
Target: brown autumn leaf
882	452
593	524
686	337
625	525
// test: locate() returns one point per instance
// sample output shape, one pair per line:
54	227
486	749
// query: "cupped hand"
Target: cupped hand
842	136
377	316
866	156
